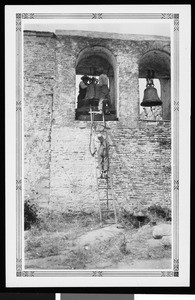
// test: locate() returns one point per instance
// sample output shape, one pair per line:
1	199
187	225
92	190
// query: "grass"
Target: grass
55	232
52	241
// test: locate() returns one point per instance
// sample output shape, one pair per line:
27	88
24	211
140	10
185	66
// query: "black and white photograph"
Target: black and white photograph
97	148
97	103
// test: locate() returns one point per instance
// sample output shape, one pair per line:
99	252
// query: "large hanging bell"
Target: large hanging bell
151	97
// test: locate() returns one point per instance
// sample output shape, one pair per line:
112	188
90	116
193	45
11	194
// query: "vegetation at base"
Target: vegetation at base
52	239
30	214
153	213
160	212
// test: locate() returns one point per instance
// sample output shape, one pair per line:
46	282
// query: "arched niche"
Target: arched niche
91	58
159	62
156	60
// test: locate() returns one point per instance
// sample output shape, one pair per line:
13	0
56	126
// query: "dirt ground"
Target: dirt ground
95	247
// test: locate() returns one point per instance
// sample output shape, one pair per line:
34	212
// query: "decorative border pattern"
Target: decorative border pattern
175	144
18	105
176	185
28	16
176	25
19	184
176	105
167	274
176	267
19	144
167	16
96	16
98	273
18	22
18	267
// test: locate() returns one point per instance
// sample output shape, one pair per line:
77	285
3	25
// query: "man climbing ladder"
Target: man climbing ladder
102	153
99	137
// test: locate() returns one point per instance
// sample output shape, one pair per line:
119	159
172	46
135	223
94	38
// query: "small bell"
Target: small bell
150	95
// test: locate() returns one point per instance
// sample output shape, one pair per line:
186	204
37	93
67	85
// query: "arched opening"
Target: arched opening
88	62
149	113
159	62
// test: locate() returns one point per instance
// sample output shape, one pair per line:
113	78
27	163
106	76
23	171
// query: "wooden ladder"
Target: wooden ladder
106	199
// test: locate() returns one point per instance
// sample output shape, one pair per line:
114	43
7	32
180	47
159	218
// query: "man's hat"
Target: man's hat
100	136
85	77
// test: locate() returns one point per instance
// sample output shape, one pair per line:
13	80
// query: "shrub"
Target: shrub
159	211
152	213
133	220
30	214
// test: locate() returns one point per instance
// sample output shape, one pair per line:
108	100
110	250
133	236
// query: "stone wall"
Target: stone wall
58	168
39	79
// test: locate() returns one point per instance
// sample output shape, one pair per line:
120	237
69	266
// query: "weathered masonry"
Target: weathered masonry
59	171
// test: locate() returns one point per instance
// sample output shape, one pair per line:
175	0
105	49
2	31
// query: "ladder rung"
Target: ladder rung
104	188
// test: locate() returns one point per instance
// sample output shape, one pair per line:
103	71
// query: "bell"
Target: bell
150	94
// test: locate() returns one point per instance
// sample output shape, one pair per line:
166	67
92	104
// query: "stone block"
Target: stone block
167	241
162	230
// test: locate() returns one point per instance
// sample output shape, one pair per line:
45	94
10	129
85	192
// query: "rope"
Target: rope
91	133
90	142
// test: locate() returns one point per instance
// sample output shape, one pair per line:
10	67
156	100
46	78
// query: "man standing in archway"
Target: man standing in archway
82	90
104	90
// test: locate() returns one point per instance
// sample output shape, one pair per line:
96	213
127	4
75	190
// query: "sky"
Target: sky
144	28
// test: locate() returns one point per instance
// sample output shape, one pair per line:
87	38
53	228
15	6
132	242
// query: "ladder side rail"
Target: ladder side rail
108	182
113	197
100	211
91	131
109	177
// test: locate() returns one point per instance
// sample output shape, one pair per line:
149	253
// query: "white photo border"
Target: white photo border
20	272
174	272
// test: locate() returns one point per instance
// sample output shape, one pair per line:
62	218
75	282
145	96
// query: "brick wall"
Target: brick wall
73	181
58	168
140	161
